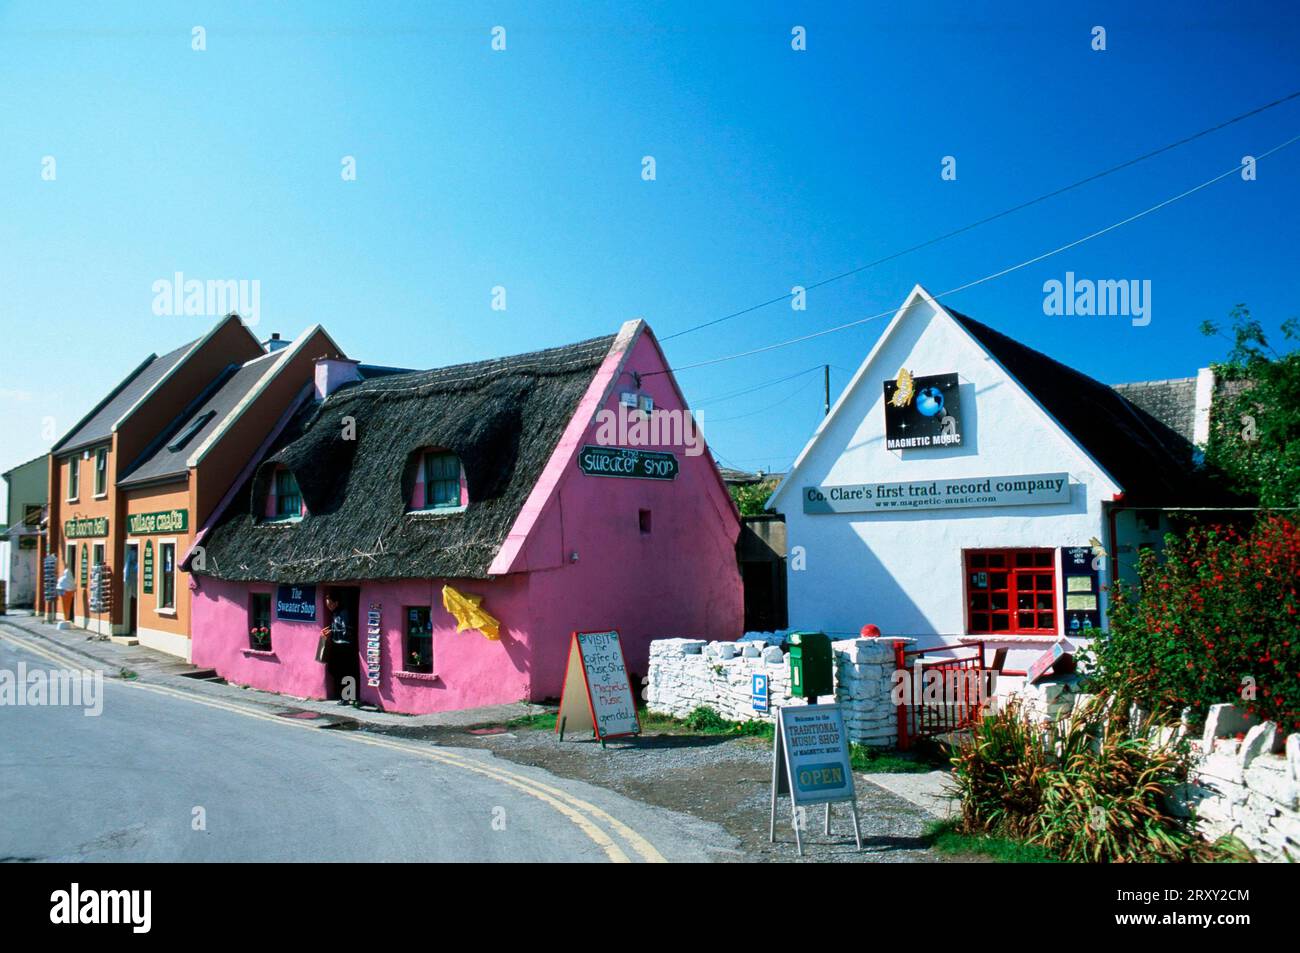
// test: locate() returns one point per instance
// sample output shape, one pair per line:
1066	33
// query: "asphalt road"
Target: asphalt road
163	774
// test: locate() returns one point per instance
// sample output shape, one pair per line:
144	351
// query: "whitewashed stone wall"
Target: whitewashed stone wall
688	673
1249	788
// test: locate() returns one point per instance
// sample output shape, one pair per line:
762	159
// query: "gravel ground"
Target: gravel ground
725	780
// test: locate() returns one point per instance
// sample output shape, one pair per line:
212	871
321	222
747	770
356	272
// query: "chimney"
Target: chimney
274	343
334	373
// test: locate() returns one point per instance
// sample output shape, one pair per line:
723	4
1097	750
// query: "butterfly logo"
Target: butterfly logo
905	387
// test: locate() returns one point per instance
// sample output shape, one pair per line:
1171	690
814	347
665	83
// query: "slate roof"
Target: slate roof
502	417
97	426
1150	459
1171	402
159	461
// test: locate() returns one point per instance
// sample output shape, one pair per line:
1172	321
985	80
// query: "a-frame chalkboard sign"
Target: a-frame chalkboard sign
597	691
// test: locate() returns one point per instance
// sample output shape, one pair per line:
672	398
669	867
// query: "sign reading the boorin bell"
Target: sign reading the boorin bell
149	524
88	527
1025	490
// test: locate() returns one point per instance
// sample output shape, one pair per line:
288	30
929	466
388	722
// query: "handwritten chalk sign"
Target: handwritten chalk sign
810	763
597	692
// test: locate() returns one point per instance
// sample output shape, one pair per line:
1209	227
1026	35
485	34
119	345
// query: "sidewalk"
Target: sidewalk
153	667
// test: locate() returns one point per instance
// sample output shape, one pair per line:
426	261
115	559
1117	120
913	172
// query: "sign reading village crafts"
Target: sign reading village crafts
295	603
150	524
626	462
922	412
89	527
1029	489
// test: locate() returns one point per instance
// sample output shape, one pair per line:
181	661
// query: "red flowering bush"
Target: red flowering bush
1217	620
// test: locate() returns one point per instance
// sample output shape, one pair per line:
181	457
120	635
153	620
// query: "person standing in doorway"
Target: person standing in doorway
341	662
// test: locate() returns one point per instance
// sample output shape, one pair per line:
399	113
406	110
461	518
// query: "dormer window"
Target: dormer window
284	501
439	483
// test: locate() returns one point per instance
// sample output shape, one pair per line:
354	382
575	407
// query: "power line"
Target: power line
749	390
996	274
762	410
991	218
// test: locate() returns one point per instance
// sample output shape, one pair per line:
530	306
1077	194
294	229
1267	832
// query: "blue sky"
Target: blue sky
523	168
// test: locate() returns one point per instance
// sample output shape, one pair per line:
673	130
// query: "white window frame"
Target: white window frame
159	572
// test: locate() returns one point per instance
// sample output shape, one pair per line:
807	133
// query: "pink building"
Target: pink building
509	481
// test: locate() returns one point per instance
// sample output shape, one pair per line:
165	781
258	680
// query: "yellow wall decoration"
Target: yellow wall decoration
467	608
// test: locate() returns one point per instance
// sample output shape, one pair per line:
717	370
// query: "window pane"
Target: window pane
1000	622
1045	621
998	580
1043	559
1025	620
997	559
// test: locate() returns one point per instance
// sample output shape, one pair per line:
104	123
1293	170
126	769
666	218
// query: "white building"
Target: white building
997	502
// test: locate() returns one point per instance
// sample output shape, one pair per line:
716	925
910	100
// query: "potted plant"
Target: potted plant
261	636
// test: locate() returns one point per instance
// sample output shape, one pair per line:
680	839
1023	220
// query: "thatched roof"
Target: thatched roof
503	418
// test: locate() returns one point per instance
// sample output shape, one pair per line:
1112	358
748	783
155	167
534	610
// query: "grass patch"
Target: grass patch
944	837
701	721
925	757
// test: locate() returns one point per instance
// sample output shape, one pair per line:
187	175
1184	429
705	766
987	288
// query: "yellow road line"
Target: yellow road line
573	808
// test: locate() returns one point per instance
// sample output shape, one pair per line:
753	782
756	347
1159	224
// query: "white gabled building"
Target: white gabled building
972	513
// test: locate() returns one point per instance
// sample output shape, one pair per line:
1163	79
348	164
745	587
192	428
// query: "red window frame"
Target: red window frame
1011	591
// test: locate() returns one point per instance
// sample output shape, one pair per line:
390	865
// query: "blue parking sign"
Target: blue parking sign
759	692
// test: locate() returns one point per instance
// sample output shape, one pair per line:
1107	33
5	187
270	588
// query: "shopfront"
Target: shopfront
966	489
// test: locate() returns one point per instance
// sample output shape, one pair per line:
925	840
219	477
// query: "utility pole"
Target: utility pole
826	379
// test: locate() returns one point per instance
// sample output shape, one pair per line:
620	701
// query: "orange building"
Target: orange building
132	481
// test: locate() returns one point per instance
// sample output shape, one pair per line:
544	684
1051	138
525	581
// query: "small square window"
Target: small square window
643	517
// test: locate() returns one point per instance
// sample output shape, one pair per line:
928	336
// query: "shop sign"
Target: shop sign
146	572
597	692
1029	489
1082	589
86	527
626	462
922	411
295	603
810	763
374	633
166	521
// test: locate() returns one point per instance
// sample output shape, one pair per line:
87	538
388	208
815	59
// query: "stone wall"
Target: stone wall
1248	786
688	673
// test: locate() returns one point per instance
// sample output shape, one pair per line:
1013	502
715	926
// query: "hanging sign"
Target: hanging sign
374	631
49	577
1082	589
810	763
945	493
597	691
295	603
85	527
922	411
146	573
166	521
626	462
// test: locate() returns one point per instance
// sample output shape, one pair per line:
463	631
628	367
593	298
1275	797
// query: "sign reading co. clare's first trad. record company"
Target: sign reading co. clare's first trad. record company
626	462
947	493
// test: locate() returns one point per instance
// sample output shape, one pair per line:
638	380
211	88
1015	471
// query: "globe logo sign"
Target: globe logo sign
929	401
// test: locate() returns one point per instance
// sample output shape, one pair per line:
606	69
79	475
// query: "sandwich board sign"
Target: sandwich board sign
597	692
810	763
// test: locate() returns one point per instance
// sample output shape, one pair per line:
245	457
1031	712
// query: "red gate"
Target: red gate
962	684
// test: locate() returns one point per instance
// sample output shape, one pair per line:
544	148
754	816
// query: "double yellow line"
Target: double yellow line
594	822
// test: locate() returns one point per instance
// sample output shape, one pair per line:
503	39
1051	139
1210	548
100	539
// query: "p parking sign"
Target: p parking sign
758	693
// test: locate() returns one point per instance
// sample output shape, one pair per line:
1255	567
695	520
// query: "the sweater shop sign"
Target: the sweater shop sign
90	527
295	603
945	494
626	462
922	411
150	524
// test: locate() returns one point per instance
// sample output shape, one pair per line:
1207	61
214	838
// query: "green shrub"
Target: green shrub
1218	620
1087	788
